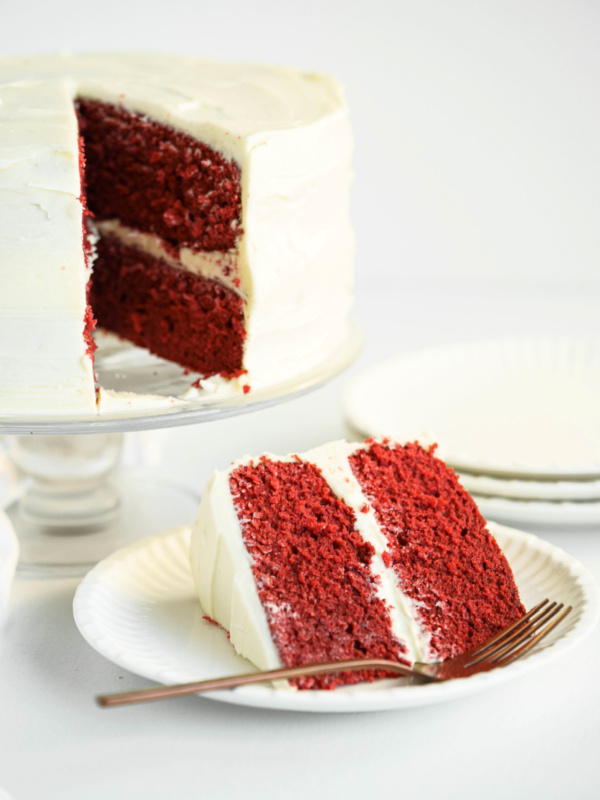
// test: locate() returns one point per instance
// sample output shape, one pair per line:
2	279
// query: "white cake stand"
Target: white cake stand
75	506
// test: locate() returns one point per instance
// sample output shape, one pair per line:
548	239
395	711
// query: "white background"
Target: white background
476	212
477	123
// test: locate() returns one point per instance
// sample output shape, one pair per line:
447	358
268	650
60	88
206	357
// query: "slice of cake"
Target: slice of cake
219	195
348	551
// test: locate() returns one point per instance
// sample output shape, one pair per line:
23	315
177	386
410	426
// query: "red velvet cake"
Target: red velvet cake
349	551
156	180
217	196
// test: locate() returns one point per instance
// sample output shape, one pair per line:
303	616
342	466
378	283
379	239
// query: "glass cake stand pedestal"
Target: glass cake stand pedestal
75	506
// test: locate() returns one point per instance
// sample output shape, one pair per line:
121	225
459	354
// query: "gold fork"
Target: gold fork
502	649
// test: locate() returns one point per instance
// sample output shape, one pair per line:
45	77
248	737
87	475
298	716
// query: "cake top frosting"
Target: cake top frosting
243	98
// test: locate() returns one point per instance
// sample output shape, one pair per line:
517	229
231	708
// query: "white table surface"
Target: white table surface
536	737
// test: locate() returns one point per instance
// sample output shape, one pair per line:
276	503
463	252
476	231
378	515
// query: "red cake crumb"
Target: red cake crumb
89	322
214	622
159	180
439	547
177	315
312	570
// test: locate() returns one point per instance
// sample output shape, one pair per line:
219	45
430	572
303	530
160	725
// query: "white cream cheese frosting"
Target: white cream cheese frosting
43	276
287	130
213	265
222	570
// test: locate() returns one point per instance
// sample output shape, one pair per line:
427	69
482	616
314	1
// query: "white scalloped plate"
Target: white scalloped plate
138	608
514	408
531	490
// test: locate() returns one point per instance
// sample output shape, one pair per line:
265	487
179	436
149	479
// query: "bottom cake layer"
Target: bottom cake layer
175	314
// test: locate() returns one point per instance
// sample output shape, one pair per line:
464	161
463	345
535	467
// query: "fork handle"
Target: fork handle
284	673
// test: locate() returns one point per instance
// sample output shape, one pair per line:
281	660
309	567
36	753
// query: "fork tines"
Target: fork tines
521	636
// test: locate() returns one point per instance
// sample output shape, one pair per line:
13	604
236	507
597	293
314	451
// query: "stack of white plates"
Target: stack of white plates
519	420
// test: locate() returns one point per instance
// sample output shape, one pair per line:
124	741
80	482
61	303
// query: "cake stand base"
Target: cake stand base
148	504
74	509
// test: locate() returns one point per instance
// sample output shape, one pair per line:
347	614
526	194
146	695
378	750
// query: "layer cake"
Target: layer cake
208	201
348	551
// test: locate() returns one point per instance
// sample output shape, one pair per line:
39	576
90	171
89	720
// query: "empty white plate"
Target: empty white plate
580	490
538	512
515	408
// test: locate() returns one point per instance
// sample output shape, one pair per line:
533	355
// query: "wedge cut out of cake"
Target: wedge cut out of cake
348	551
220	238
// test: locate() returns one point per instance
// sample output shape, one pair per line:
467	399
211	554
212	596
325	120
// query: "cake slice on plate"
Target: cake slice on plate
348	551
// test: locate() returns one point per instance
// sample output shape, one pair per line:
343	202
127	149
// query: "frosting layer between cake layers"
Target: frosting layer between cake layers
290	261
262	559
